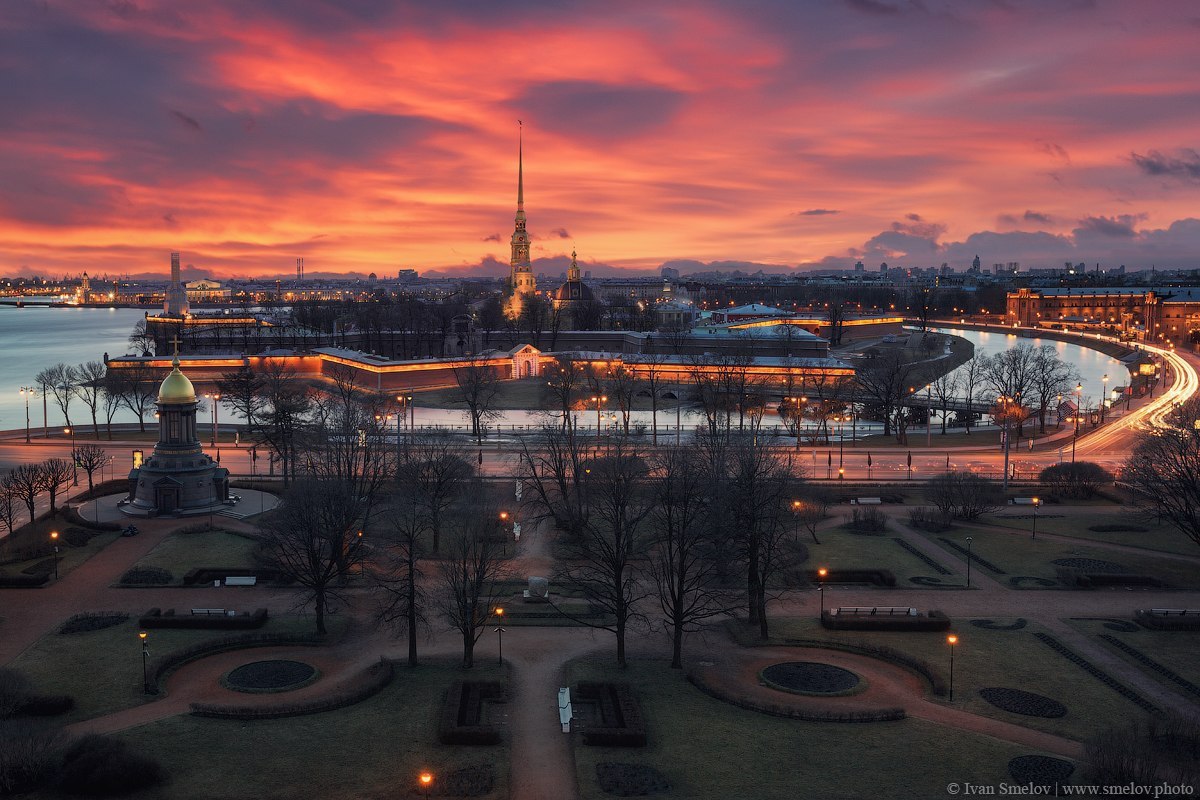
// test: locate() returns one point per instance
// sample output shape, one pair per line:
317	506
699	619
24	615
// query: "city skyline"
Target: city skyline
371	137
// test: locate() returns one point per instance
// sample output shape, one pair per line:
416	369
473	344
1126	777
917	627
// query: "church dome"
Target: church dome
573	291
176	388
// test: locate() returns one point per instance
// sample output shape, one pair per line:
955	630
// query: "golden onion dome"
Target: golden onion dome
176	388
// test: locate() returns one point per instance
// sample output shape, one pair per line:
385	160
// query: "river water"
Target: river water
33	338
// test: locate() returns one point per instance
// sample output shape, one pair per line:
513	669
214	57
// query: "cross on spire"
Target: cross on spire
175	341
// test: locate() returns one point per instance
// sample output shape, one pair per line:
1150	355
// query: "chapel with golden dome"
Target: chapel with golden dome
179	478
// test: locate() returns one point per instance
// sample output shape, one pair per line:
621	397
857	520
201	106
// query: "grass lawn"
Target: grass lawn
711	750
1065	521
102	669
375	749
844	549
985	658
1017	553
1175	650
182	552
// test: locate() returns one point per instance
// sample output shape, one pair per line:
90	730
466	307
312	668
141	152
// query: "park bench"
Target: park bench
890	611
241	581
564	709
1167	612
208	612
867	501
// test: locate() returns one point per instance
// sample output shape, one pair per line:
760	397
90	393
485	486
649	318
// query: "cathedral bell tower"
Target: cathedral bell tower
521	278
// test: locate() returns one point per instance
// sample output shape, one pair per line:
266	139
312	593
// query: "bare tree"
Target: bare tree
972	385
88	381
468	572
313	538
478	385
283	406
89	458
682	558
836	310
8	506
654	379
137	387
603	566
946	388
883	380
564	381
1162	471
242	391
812	509
622	386
553	472
435	469
399	578
25	482
1050	379
963	495
59	381
1010	374
111	399
141	340
56	475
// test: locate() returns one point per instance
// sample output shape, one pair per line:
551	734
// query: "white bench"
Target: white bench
241	581
208	612
867	501
890	611
564	709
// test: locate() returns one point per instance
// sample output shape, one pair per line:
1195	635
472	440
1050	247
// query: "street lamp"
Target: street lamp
598	399
969	540
499	634
54	539
952	640
216	399
1037	501
426	781
26	392
74	468
1103	397
822	574
145	661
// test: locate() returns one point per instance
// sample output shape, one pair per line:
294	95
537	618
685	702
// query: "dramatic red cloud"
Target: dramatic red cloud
372	136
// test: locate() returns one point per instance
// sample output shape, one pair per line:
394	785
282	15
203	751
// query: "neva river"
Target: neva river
34	338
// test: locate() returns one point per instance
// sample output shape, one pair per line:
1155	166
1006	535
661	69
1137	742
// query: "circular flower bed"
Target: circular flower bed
270	676
1040	770
810	677
1091	565
1027	704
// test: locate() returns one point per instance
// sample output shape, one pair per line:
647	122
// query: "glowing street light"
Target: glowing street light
1103	397
822	574
952	640
74	460
1037	502
499	634
145	661
54	539
426	779
27	392
969	540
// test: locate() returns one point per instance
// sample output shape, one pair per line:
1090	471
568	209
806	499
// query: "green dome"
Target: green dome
176	388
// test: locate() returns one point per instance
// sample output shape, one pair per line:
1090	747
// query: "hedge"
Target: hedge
1162	622
878	577
161	667
366	684
462	713
156	618
203	575
811	713
622	723
23	581
933	621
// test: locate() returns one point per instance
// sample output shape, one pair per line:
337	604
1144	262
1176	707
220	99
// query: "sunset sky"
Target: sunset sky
367	135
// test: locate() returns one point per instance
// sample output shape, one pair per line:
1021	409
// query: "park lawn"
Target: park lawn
844	549
102	669
711	750
988	658
375	749
68	557
1019	554
1175	650
179	553
1051	519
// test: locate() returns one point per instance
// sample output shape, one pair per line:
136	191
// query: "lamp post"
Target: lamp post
54	539
1103	397
362	567
145	661
426	779
822	573
841	445
952	640
1037	501
215	399
74	469
969	540
929	415
1078	413
26	391
499	635
598	399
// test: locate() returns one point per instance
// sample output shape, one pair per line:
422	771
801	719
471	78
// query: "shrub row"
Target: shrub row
1149	662
928	518
90	621
1160	622
461	721
933	621
23	581
923	556
923	668
877	577
867	519
975	557
622	724
1088	580
366	684
161	667
146	576
811	713
1097	673
203	575
157	618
